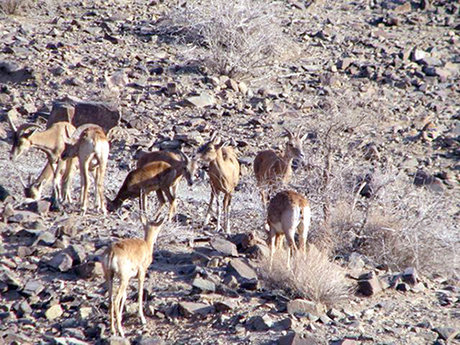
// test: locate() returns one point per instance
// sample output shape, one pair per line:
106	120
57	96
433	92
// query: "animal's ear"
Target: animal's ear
289	133
222	144
159	222
185	157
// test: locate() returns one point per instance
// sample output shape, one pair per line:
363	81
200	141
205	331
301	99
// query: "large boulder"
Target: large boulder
79	112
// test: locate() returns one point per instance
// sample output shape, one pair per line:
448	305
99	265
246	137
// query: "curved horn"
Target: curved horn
22	182
158	222
76	135
10	121
213	136
24	127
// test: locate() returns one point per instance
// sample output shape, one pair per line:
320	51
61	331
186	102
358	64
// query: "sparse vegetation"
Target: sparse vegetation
313	276
396	223
13	7
404	225
234	38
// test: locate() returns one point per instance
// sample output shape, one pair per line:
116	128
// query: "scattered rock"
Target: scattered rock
345	341
85	312
241	270
83	112
224	247
201	101
369	284
302	307
410	276
41	207
259	323
294	338
114	340
23	217
67	227
54	312
192	309
447	333
284	324
33	288
61	261
204	285
45	238
225	305
89	269
3	193
11	73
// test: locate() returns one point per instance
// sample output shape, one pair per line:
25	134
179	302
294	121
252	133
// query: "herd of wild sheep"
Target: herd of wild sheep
160	171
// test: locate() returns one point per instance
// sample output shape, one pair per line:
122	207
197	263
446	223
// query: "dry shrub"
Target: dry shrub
313	277
406	226
235	38
400	224
13	7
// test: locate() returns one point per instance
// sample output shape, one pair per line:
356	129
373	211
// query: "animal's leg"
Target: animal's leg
161	201
208	212
172	202
141	277
84	176
227	202
119	301
100	183
272	238
67	178
218	211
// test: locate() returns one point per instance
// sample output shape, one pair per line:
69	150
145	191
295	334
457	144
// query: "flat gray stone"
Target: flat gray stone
204	285
241	270
303	306
190	309
61	261
201	101
224	247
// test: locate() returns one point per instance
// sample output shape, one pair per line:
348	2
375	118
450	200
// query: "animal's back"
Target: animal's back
63	130
228	169
124	257
171	158
267	165
285	202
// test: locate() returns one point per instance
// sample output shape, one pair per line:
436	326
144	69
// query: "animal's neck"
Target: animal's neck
287	160
219	156
150	238
42	141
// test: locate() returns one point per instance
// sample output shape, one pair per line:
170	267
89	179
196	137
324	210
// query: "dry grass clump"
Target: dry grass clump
13	7
313	277
233	38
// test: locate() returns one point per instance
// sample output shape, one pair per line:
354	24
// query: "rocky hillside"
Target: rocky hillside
373	84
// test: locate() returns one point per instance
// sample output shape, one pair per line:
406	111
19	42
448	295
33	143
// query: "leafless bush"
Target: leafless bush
11	7
406	226
398	223
234	38
313	277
